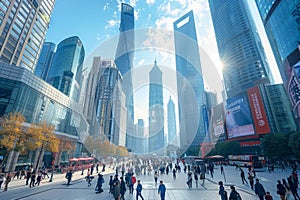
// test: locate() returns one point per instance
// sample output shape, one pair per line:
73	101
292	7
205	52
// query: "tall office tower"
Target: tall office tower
156	110
45	60
66	70
141	140
190	86
107	96
93	77
124	62
282	25
23	26
240	48
172	130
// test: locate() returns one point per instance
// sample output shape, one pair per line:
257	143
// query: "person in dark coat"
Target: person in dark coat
293	187
100	181
32	179
28	176
116	188
69	177
139	189
111	184
259	189
162	190
281	190
222	191
123	188
243	176
234	195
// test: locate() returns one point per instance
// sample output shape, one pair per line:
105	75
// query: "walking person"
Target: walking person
39	178
174	173
293	187
196	178
28	176
111	184
243	176
190	180
268	196
251	179
116	188
139	189
162	190
123	188
130	183
222	191
7	181
155	177
32	179
259	189
100	181
234	195
222	169
69	177
287	189
1	179
281	190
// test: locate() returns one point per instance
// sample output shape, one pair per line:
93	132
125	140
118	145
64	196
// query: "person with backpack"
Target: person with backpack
222	191
139	189
259	189
234	195
281	190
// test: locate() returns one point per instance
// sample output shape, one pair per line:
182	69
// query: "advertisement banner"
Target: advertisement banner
217	123
294	87
259	115
238	117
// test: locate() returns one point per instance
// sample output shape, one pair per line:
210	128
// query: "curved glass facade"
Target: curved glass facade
22	91
240	47
66	70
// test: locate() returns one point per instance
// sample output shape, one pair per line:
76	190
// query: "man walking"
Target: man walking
7	181
259	190
139	189
123	188
69	177
243	176
162	190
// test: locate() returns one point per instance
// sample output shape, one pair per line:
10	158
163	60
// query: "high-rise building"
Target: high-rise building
89	110
240	48
156	110
172	129
141	143
190	86
23	26
66	70
282	25
107	96
124	62
45	60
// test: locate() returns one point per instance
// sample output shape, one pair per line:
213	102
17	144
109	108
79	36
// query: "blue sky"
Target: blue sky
97	21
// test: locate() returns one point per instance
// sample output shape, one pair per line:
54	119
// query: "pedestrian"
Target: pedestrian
97	168
251	179
281	190
123	188
116	188
222	191
234	195
190	180
268	196
243	176
130	183
39	178
103	167
7	181
259	189
69	177
155	177
174	173
111	184
162	190
1	179
100	181
293	187
287	189
222	169
92	168
17	174
139	189
32	179
28	176
196	178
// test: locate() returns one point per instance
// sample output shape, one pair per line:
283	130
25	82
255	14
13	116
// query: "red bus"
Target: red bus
246	160
81	163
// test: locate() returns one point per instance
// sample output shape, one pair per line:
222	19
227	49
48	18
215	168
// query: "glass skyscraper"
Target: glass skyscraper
124	61
156	110
240	48
23	26
191	96
172	129
281	20
66	70
45	60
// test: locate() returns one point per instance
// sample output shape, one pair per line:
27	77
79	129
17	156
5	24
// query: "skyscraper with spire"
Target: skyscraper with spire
156	110
124	61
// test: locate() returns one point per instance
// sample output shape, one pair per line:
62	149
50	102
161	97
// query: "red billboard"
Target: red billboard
259	115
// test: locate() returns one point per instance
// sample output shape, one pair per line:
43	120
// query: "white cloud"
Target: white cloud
136	14
141	62
133	2
105	7
112	23
149	2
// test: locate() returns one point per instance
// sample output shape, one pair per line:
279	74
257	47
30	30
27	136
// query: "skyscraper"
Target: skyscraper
172	130
156	110
282	25
66	70
45	60
191	96
240	47
124	62
23	26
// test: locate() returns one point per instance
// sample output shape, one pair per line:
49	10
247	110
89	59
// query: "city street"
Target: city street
176	189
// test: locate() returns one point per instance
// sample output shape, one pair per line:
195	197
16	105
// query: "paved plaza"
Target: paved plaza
176	189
